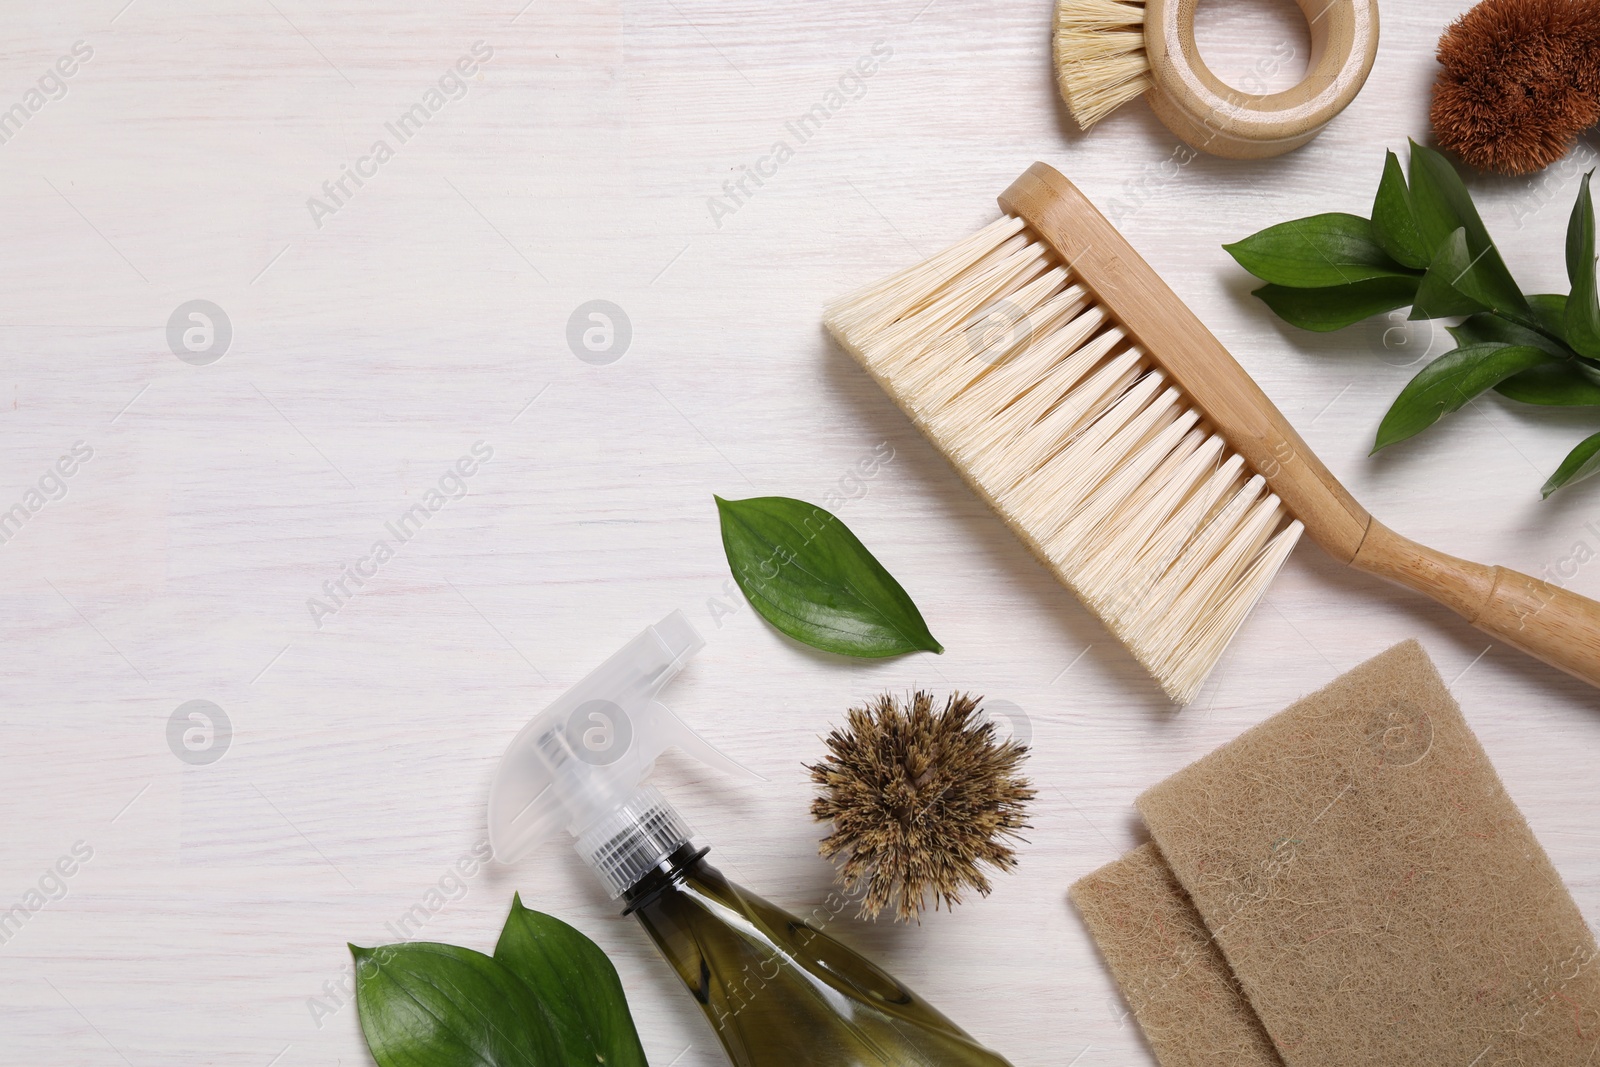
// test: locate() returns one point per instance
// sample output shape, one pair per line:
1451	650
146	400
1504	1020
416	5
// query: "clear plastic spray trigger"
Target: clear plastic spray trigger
777	990
580	765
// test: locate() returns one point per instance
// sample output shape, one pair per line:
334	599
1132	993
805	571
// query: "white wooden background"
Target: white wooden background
430	312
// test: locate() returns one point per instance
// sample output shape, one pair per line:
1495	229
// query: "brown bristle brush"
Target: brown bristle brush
921	801
1116	436
1520	81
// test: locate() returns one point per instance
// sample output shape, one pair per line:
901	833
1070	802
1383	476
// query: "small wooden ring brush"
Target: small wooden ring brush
1116	436
1109	51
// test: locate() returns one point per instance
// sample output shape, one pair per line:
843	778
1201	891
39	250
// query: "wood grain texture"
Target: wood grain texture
1547	622
1218	118
370	353
1541	618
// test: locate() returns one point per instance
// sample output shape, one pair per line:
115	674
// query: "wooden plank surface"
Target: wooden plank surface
376	339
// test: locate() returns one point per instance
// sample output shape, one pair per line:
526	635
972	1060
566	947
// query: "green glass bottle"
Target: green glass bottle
777	990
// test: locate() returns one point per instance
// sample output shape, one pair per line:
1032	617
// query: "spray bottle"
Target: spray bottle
777	990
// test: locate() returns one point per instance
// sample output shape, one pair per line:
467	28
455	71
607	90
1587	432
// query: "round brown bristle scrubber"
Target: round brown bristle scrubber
920	801
1521	80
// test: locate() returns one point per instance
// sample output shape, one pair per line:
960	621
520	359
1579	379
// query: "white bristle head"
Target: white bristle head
1080	441
909	290
1100	57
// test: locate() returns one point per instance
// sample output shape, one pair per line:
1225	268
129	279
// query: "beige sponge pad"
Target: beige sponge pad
1378	897
1170	971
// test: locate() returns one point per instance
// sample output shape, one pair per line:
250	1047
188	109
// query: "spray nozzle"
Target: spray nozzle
583	759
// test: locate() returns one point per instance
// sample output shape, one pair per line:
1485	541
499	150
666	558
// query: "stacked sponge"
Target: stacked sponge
1348	884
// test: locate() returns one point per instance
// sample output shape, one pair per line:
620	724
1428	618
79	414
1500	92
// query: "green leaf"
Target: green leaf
1452	285
577	985
1338	306
1449	382
1570	384
1394	219
1582	318
1442	206
1439	296
1582	462
1487	327
1323	250
1441	202
428	1005
1563	381
1546	311
1550	311
806	573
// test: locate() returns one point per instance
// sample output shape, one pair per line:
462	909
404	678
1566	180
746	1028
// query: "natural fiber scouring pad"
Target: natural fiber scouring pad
1171	972
1377	895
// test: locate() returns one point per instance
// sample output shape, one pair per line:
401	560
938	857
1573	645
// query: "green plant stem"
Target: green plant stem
1426	245
1538	328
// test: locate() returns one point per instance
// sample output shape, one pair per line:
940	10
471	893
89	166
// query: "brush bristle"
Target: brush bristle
922	801
1079	441
1100	57
1518	81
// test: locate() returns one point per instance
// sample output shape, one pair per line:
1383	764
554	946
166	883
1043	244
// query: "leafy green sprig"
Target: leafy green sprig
1426	246
548	995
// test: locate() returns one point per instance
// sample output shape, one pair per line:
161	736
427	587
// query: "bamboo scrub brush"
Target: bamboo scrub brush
1116	436
1109	51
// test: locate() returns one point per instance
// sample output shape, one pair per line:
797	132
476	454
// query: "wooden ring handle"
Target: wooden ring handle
1234	124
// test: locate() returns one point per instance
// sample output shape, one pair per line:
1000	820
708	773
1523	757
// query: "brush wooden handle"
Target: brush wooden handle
1214	117
1543	620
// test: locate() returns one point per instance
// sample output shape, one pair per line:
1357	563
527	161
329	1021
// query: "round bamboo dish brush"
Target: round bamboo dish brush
1109	51
1520	81
921	801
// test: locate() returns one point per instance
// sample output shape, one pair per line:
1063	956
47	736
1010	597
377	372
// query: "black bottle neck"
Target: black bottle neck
665	875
